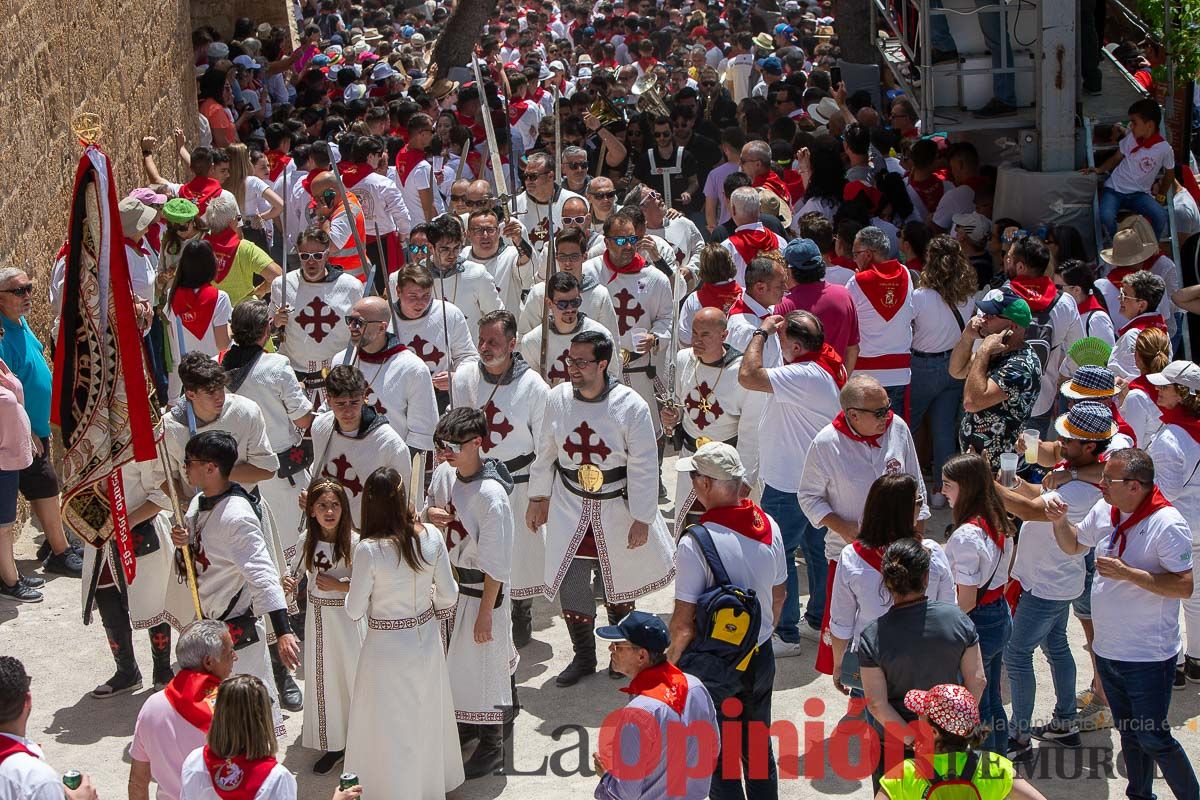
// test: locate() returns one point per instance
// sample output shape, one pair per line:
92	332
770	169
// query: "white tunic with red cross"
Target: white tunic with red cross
610	432
559	348
316	328
470	288
514	415
400	387
882	296
426	337
351	458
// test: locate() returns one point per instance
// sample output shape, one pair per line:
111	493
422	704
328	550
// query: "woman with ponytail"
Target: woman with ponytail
1151	353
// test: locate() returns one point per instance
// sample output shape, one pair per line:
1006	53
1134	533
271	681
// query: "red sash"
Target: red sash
1039	292
828	359
192	694
720	295
872	555
664	682
1143	321
1184	420
195	308
750	242
237	778
353	172
1120	536
843	427
406	161
225	247
745	518
885	286
1147	143
277	162
200	191
635	265
10	747
772	183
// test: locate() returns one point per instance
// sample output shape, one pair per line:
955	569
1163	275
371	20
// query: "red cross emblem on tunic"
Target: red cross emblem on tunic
374	402
498	426
558	370
160	641
315	318
235	632
426	351
198	555
704	403
586	449
344	475
455	532
540	232
321	561
628	310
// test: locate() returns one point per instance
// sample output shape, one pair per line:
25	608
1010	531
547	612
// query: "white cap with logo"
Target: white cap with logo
715	460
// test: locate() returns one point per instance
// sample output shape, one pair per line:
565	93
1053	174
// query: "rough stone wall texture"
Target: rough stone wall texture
221	14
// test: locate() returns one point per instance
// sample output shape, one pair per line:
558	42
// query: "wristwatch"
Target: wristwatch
759	332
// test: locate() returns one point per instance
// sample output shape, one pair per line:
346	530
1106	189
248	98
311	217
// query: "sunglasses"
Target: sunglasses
662	134
484	203
458	198
574	220
418	248
533	176
622	241
448	447
20	291
311	256
567	305
877	413
576	165
709	84
603	195
359	322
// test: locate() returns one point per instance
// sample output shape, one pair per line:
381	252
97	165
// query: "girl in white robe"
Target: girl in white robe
333	639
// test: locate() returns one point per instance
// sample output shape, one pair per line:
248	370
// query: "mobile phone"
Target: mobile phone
835	75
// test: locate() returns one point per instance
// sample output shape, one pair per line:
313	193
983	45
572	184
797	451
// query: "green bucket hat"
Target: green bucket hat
178	211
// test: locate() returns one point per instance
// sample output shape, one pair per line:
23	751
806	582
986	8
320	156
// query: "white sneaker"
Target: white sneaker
784	649
809	633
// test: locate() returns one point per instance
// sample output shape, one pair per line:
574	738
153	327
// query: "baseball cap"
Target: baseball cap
149	196
246	62
949	706
1180	373
715	460
976	226
218	50
136	216
407	31
640	629
1005	303
803	254
771	64
417	39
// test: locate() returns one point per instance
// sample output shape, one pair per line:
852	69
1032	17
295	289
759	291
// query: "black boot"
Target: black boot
662	487
522	622
289	693
160	651
467	733
128	678
488	757
583	642
616	612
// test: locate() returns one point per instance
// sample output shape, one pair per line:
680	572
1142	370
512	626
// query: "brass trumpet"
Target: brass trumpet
605	110
649	100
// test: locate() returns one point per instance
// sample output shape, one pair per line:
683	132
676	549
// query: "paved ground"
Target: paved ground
555	734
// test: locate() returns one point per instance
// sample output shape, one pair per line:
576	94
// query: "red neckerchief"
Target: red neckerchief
193	694
855	188
841	261
407	160
635	265
775	185
1039	292
740	306
843	427
721	295
195	308
478	133
154	236
929	190
1091	304
139	246
1120	536
1143	321
746	519
353	172
516	110
794	181
1122	426
1146	386
1182	419
390	349
885	286
200	191
277	162
225	247
872	555
749	242
647	63
1147	143
988	531
915	264
10	747
664	682
538	94
308	179
829	360
237	778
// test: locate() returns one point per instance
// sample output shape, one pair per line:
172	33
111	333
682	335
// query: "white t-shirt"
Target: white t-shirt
959	200
935	330
1041	565
804	400
1187	214
1176	458
714	186
164	739
1138	171
973	557
24	777
197	783
1131	623
750	564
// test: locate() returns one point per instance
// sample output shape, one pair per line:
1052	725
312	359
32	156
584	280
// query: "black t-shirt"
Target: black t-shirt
918	646
679	181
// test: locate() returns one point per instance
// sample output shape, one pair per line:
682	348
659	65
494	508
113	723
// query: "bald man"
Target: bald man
602	196
458	197
341	224
399	385
711	406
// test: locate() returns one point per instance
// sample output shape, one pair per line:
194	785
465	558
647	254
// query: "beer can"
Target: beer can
347	780
72	778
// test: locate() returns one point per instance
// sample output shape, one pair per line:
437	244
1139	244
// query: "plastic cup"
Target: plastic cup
1031	438
1008	469
636	335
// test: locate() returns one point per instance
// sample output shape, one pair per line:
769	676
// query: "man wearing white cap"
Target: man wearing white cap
749	546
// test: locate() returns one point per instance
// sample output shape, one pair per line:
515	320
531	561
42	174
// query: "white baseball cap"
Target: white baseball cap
715	460
1180	373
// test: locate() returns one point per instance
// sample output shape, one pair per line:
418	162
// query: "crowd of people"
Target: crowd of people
423	339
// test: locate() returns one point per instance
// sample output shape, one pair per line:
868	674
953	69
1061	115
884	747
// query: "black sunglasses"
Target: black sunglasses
877	413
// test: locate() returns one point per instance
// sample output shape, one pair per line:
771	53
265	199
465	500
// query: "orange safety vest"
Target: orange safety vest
347	257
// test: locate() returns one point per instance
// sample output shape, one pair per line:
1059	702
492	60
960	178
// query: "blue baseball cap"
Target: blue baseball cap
784	28
407	31
771	64
638	628
803	254
320	60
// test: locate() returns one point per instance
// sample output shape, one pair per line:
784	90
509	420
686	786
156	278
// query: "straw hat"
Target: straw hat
1128	249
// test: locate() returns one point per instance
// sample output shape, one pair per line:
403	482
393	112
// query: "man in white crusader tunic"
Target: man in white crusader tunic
236	576
465	283
469	501
352	440
569	257
597	441
399	385
541	204
508	262
319	296
712	407
512	397
437	333
566	320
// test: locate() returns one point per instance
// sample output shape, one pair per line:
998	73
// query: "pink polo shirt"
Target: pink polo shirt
164	739
16	445
829	303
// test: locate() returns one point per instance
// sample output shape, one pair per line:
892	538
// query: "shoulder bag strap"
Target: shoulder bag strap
709	550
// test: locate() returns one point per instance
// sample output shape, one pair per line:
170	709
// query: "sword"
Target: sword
165	457
387	286
557	141
490	132
417	490
462	160
281	333
358	242
446	336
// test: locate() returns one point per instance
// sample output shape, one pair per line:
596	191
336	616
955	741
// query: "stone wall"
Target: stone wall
221	14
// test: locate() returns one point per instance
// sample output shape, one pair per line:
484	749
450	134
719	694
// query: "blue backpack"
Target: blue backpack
728	618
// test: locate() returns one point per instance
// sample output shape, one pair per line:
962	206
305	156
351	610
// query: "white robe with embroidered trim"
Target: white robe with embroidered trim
401	388
350	460
426	337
